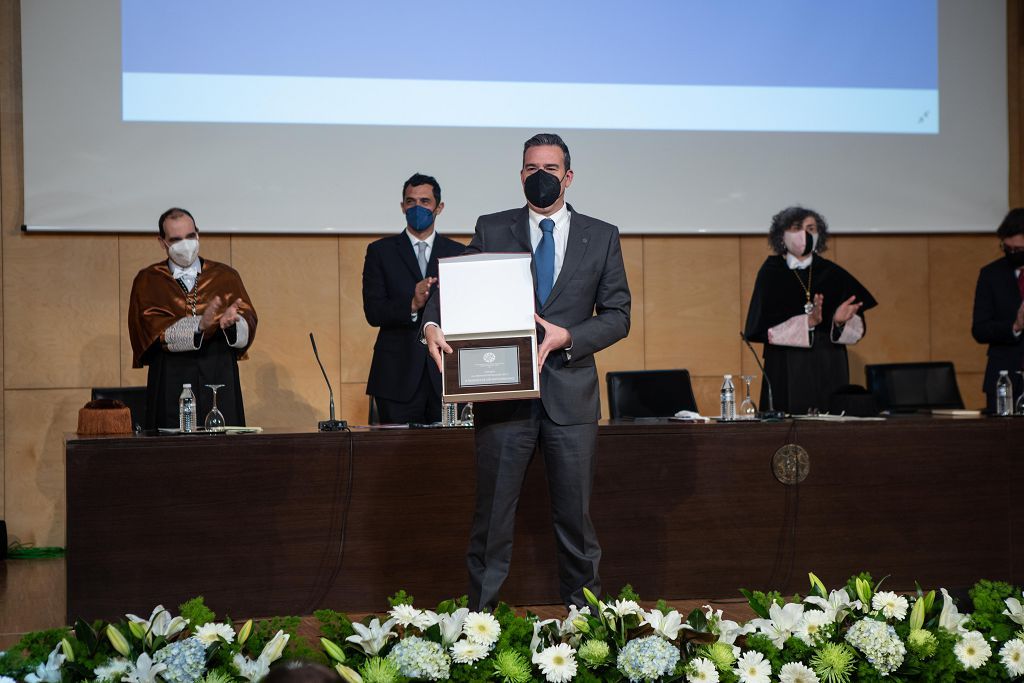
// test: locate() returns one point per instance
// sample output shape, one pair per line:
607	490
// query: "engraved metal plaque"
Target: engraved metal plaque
488	366
791	464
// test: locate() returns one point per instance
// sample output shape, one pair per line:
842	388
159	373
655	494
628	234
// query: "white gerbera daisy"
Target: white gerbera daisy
209	633
701	670
482	628
112	670
811	628
467	652
557	663
623	608
972	650
893	606
797	673
1012	655
404	615
752	668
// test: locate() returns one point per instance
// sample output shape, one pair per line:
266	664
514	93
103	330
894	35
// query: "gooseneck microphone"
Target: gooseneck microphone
331	425
771	413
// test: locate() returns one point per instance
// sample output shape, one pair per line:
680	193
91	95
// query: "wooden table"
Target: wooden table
287	523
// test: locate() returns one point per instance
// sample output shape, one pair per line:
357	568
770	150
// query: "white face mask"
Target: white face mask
184	252
796	242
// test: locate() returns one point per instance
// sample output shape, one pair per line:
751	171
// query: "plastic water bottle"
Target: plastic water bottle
1004	394
187	409
449	414
728	399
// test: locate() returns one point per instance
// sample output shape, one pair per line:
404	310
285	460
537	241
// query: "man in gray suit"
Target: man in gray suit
583	303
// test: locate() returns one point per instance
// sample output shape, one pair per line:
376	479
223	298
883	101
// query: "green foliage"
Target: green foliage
760	602
662	607
763	644
400	598
449	606
297	648
988	598
627	593
515	632
197	613
334	625
851	585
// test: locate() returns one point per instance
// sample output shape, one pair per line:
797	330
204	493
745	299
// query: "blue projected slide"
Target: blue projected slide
738	65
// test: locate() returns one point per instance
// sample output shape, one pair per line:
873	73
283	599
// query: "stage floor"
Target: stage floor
33	597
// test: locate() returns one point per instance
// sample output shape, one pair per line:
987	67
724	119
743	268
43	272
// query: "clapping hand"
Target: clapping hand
210	314
231	315
814	317
847	310
422	292
1018	324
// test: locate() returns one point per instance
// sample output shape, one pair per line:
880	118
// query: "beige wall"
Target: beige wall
64	302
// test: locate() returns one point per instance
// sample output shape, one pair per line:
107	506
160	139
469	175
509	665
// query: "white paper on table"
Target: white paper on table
485	293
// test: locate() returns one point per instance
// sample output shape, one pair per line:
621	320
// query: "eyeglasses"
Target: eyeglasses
1013	250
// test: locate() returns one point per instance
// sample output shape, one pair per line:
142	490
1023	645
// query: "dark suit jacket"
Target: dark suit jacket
996	301
390	274
590	298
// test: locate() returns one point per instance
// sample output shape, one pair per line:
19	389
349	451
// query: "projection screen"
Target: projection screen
683	116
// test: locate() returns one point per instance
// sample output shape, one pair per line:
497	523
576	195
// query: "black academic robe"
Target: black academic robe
802	378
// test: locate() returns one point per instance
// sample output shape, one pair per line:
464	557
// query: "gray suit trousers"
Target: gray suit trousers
505	445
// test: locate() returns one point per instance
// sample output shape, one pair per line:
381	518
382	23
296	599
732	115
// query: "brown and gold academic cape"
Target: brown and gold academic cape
157	302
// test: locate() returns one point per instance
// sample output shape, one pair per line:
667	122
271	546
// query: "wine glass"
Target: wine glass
214	419
466	418
747	411
1018	409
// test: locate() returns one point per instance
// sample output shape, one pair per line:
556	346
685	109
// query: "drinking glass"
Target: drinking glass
214	419
747	411
1018	409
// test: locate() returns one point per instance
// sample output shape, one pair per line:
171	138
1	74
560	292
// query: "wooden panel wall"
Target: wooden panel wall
65	298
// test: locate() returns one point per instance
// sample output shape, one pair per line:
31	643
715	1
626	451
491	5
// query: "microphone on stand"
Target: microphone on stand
331	425
771	413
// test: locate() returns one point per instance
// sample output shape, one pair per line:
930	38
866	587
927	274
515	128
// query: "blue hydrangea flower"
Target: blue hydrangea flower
419	658
879	643
185	660
648	659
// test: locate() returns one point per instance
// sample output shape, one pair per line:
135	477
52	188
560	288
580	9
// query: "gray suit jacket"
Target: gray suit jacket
590	298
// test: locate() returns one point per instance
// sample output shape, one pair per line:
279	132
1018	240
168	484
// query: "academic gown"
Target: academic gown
157	302
802	378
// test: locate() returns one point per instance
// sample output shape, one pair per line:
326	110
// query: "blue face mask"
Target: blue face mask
419	218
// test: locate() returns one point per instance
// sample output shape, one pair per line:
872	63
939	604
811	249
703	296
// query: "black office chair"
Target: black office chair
910	387
133	397
649	393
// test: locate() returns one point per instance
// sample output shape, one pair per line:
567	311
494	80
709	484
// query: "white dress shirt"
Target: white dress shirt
415	239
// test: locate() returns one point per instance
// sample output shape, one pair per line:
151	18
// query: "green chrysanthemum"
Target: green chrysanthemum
512	667
922	643
218	676
718	654
833	662
379	670
594	653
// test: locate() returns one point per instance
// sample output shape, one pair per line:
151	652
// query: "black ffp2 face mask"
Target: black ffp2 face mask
542	188
1016	258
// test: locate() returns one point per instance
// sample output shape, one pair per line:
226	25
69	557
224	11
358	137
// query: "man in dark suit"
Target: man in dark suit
999	308
583	302
398	274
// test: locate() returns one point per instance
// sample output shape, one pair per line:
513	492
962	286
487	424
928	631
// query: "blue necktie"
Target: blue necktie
544	257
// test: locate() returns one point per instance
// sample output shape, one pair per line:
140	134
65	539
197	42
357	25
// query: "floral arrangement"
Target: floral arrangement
858	632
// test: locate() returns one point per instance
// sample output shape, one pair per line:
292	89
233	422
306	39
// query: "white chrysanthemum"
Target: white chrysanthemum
1012	656
701	670
893	606
811	629
404	615
557	663
752	668
972	650
797	673
481	627
112	670
6	679
467	652
209	633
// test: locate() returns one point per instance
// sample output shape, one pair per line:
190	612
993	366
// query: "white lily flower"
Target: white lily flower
372	638
1014	610
160	623
535	641
425	620
665	625
837	606
252	670
144	670
783	623
273	649
451	625
950	617
48	671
